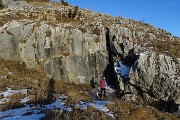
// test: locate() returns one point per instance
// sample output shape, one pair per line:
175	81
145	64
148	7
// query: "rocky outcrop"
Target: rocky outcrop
154	74
76	44
64	53
5	3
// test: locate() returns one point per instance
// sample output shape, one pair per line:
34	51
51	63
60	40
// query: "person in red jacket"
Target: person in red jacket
103	86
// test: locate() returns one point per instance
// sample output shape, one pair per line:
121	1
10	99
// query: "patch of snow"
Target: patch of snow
110	114
58	104
24	100
3	77
142	54
4	100
10	73
28	117
62	96
83	105
109	89
23	113
101	105
9	92
122	69
18	113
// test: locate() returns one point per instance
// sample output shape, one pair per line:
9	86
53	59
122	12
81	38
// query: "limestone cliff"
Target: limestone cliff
74	44
64	50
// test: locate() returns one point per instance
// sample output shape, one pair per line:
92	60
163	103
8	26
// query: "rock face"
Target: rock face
156	74
159	79
75	45
6	2
64	54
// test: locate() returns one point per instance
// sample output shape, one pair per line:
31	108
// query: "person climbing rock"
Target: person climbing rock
103	86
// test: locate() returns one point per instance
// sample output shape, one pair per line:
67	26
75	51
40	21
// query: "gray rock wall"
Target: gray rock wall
160	79
156	75
6	2
66	54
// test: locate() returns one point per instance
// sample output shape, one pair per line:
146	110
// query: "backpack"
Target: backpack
103	83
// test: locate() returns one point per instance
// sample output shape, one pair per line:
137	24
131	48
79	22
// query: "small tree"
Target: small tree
70	13
64	3
75	11
0	3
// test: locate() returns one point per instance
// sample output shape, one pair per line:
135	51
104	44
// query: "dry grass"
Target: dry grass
43	89
73	91
48	33
122	110
21	78
37	0
96	31
150	114
167	47
76	115
14	102
127	110
22	40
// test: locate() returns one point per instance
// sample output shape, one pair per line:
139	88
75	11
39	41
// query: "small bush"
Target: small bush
75	12
96	31
0	3
83	29
14	102
64	3
70	13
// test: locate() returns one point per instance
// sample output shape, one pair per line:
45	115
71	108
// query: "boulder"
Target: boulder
6	3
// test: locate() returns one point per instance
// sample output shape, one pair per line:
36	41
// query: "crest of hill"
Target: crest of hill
58	13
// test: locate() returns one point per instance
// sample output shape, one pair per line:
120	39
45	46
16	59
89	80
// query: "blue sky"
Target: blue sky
163	14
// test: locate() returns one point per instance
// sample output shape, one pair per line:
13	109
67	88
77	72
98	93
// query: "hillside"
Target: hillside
50	49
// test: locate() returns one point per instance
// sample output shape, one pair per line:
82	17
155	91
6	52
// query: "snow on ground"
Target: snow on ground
9	92
24	100
6	94
19	113
28	117
30	112
23	113
122	69
58	104
101	105
4	100
98	104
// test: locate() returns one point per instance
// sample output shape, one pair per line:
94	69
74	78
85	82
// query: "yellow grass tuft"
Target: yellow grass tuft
14	102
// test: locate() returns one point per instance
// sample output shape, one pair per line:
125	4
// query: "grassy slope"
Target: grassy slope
23	77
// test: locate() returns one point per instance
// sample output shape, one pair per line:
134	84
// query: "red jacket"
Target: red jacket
103	83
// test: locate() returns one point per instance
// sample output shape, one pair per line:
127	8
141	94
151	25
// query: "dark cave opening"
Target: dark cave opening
109	73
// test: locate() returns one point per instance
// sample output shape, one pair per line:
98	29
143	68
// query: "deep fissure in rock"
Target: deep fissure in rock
126	60
109	70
